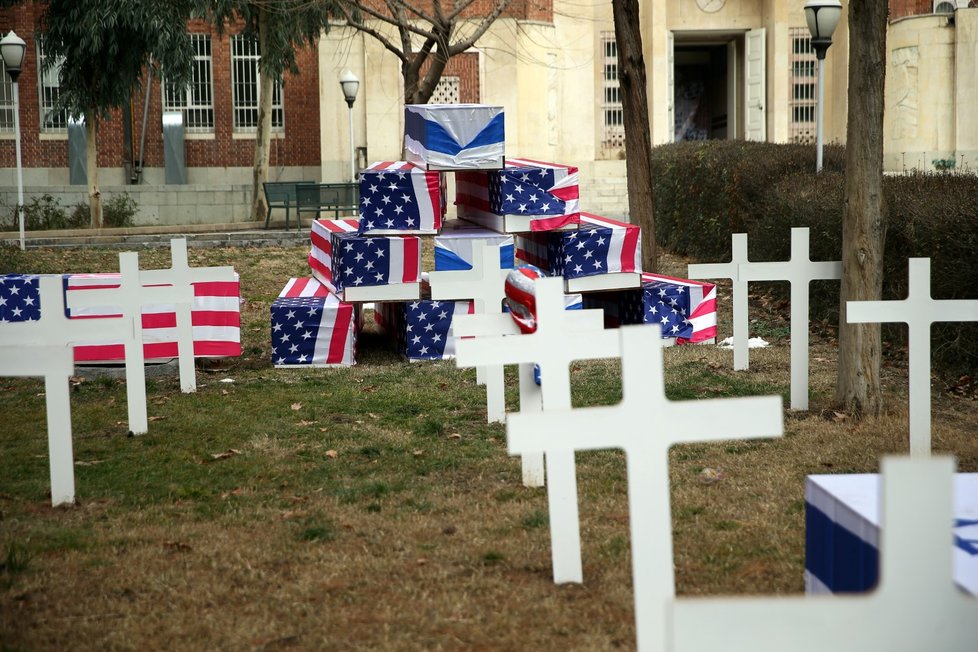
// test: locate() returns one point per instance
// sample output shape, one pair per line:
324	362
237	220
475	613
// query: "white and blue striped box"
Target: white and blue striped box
454	136
842	531
453	246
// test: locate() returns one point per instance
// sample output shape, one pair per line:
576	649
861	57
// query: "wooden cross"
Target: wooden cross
916	605
180	275
553	346
485	284
43	348
645	425
918	311
800	271
731	270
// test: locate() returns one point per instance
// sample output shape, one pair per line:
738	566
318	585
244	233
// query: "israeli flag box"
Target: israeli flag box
525	195
401	198
361	268
842	525
311	327
453	246
454	136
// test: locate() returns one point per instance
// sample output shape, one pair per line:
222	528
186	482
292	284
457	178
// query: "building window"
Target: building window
245	79
195	100
613	115
6	101
804	87
447	91
53	120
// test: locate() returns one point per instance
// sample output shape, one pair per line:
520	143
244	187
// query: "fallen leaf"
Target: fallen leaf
839	416
296	406
306	423
88	463
332	454
455	435
225	392
710	476
421	562
155	418
372	415
234	492
418	453
178	546
231	452
226	380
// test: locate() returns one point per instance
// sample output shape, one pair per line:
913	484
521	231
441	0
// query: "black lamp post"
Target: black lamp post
822	17
350	85
12	50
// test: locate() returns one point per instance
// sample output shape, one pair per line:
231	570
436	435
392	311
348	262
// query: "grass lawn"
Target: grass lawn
373	508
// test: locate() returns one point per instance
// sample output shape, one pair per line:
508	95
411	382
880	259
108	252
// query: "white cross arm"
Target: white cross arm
713	270
876	312
30	361
484	325
592	345
790	271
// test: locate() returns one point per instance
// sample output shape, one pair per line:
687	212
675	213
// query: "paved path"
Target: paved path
242	234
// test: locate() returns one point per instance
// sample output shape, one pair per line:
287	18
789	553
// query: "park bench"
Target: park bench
328	197
282	194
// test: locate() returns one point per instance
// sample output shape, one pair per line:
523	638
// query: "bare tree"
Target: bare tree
638	141
863	227
442	31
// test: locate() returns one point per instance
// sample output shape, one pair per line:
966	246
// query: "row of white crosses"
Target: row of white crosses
918	311
45	347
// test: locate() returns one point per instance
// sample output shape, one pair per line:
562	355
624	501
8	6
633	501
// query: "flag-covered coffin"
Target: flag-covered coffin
453	246
312	327
685	310
400	198
454	136
215	313
524	196
602	254
422	329
365	268
842	521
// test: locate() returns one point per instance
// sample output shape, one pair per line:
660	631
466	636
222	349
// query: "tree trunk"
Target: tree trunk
91	147
638	141
863	228
259	208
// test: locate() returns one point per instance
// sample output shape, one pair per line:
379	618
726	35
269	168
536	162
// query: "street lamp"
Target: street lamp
12	49
350	85
822	17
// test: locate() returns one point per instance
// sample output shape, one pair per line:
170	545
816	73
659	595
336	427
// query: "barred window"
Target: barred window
804	87
245	79
613	115
53	120
6	101
196	99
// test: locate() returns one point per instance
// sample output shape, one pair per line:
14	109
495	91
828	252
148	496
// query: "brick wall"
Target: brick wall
299	147
903	8
541	10
465	66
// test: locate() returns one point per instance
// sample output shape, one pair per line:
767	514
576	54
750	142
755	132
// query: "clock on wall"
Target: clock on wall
710	6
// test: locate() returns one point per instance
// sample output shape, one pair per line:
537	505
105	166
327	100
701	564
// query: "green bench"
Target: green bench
282	194
338	198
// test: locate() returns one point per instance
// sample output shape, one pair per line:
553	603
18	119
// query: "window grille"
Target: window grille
245	79
613	115
196	100
447	91
804	87
6	101
53	120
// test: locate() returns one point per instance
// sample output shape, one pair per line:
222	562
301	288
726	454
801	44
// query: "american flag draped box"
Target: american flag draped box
215	313
365	268
842	532
400	198
422	329
602	254
453	246
685	310
312	327
454	136
524	196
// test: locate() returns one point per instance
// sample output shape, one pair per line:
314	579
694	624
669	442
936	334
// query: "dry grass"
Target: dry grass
407	539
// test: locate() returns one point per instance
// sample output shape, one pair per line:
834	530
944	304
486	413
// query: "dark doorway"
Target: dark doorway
701	102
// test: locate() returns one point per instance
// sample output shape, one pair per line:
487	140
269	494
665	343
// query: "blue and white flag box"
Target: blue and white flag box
524	196
400	198
685	310
311	327
603	254
453	246
842	531
422	329
454	136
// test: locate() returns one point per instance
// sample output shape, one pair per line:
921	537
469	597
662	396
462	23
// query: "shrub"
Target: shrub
704	191
40	214
119	211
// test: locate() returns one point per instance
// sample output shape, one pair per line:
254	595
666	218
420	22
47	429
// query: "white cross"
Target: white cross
916	605
918	311
180	275
485	284
800	271
40	348
731	270
553	346
627	426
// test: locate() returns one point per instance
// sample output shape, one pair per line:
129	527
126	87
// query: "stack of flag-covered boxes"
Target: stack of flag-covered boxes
530	209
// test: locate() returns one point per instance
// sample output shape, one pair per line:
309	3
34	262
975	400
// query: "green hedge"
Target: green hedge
704	191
